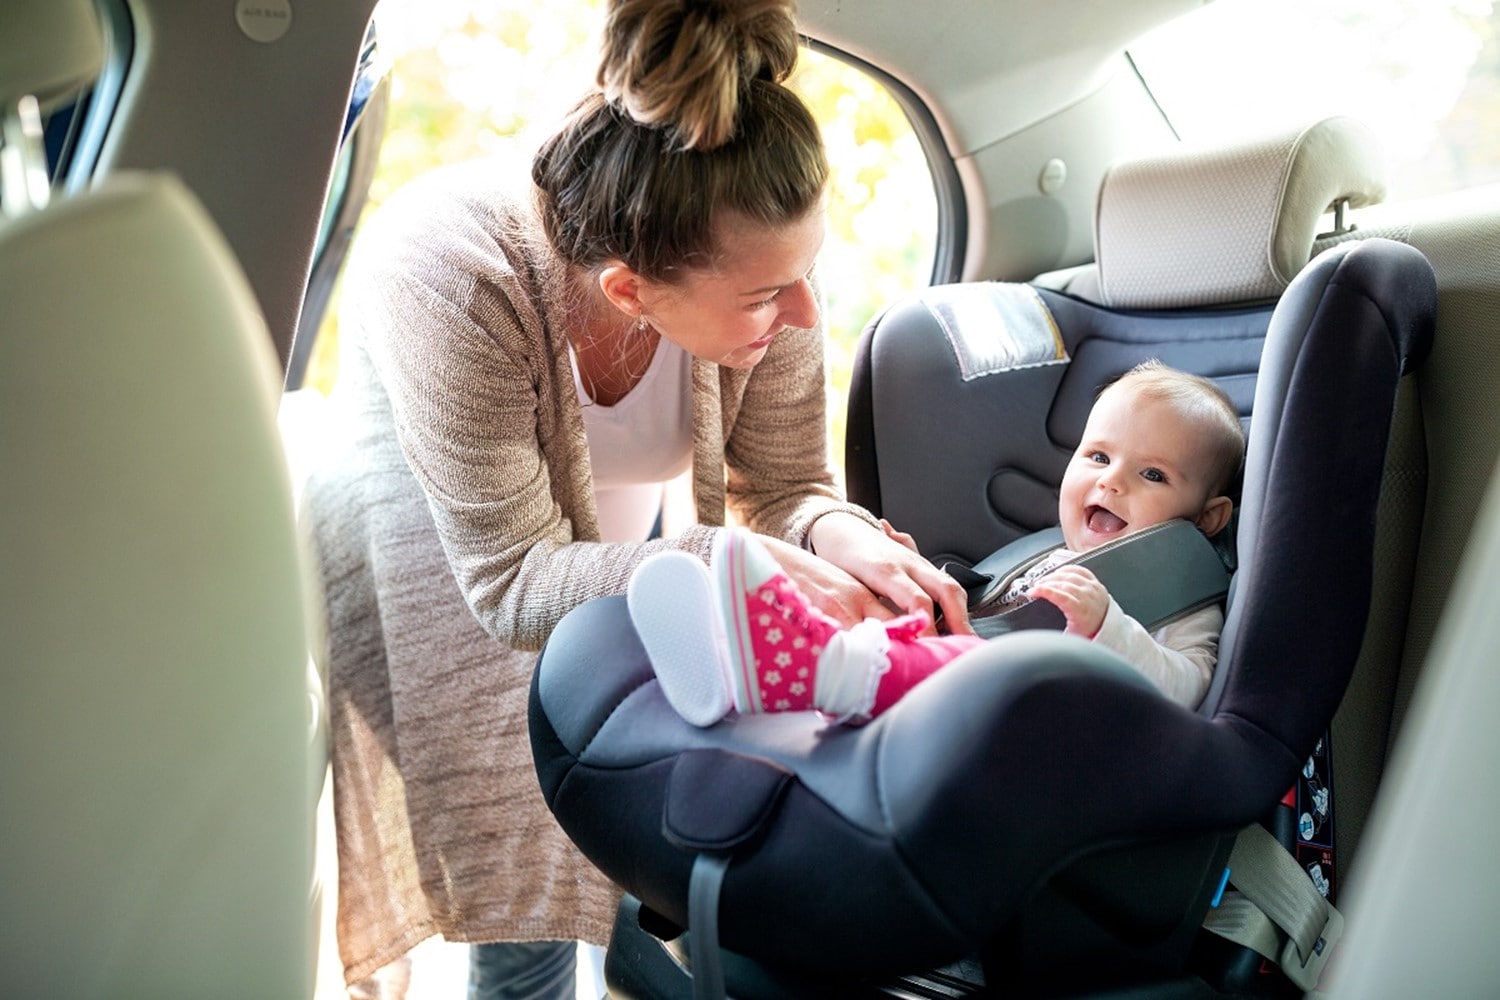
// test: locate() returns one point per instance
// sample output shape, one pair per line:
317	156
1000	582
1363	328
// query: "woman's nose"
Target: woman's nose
800	307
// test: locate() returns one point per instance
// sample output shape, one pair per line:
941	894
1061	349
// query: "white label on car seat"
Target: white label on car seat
263	20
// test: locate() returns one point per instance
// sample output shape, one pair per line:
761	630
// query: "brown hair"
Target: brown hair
1206	404
692	120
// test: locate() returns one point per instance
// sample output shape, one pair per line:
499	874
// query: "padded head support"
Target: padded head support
1230	224
159	748
49	49
1362	314
936	407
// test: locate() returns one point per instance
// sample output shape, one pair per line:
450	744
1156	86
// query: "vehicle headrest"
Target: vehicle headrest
1207	226
49	49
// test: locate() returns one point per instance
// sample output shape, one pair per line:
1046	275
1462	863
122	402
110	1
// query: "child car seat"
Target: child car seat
1036	801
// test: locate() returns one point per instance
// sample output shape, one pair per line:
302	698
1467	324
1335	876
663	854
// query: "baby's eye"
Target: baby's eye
1098	457
1154	475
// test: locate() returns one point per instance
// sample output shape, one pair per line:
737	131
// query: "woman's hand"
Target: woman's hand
1079	595
869	573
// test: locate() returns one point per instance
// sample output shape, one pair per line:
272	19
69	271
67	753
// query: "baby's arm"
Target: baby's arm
1179	658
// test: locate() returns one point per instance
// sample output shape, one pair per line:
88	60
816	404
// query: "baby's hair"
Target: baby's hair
1202	401
692	121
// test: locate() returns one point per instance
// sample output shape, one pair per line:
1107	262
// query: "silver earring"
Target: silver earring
640	323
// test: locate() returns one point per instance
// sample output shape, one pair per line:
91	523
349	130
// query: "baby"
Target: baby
1159	444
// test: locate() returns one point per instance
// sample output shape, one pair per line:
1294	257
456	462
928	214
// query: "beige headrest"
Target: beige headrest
1228	224
49	49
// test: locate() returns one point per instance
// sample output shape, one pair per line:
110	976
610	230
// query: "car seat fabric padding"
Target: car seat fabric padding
995	445
1312	474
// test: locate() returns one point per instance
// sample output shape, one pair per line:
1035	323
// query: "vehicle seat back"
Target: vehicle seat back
1439	788
1444	443
157	742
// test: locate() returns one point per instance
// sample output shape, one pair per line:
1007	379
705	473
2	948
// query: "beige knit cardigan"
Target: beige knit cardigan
455	525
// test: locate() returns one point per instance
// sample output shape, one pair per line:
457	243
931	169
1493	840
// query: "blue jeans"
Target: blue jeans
523	970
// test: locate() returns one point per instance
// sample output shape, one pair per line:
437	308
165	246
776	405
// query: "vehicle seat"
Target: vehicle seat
1017	802
1421	925
158	748
1443	449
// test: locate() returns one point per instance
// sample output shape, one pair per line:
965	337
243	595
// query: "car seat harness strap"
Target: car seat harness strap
1155	575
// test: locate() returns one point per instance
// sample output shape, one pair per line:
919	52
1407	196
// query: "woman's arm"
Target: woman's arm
782	483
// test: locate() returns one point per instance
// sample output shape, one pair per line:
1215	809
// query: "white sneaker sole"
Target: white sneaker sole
672	604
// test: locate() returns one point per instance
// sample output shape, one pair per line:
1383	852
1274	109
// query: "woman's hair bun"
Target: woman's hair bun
685	65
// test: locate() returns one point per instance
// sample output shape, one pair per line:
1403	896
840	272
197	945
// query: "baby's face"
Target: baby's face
1138	464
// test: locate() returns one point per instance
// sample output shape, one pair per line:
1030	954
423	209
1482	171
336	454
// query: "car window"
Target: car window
491	80
73	129
1424	74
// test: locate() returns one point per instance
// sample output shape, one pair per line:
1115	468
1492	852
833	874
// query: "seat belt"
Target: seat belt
1277	912
700	819
1155	575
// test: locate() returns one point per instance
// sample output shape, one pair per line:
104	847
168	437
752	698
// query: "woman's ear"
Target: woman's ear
1215	516
622	287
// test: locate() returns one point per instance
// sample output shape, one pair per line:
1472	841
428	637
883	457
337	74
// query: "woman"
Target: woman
521	376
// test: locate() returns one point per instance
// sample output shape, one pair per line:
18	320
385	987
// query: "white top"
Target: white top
640	443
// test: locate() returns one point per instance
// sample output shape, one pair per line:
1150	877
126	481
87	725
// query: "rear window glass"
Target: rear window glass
1424	74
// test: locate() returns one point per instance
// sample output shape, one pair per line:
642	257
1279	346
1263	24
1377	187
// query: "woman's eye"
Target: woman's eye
765	302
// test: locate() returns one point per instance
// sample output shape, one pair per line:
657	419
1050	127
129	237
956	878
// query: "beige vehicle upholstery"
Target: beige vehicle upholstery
1423	914
159	752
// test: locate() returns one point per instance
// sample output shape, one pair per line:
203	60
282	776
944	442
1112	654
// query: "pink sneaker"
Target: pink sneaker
775	637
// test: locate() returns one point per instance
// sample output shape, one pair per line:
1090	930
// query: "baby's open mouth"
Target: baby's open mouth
1103	521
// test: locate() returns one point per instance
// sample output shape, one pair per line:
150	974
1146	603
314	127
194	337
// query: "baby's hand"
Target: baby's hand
1080	596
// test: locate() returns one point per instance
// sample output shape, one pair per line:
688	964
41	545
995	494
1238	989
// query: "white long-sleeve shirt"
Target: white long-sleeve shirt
1179	657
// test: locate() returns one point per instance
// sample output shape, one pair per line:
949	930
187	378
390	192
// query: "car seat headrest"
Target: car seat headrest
48	50
1228	224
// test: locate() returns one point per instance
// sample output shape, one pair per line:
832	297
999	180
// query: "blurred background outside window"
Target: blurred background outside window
492	78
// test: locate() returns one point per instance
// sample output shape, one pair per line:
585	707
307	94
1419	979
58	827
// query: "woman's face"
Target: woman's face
729	314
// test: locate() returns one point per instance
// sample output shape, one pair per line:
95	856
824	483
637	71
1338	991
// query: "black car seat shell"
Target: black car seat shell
1036	799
